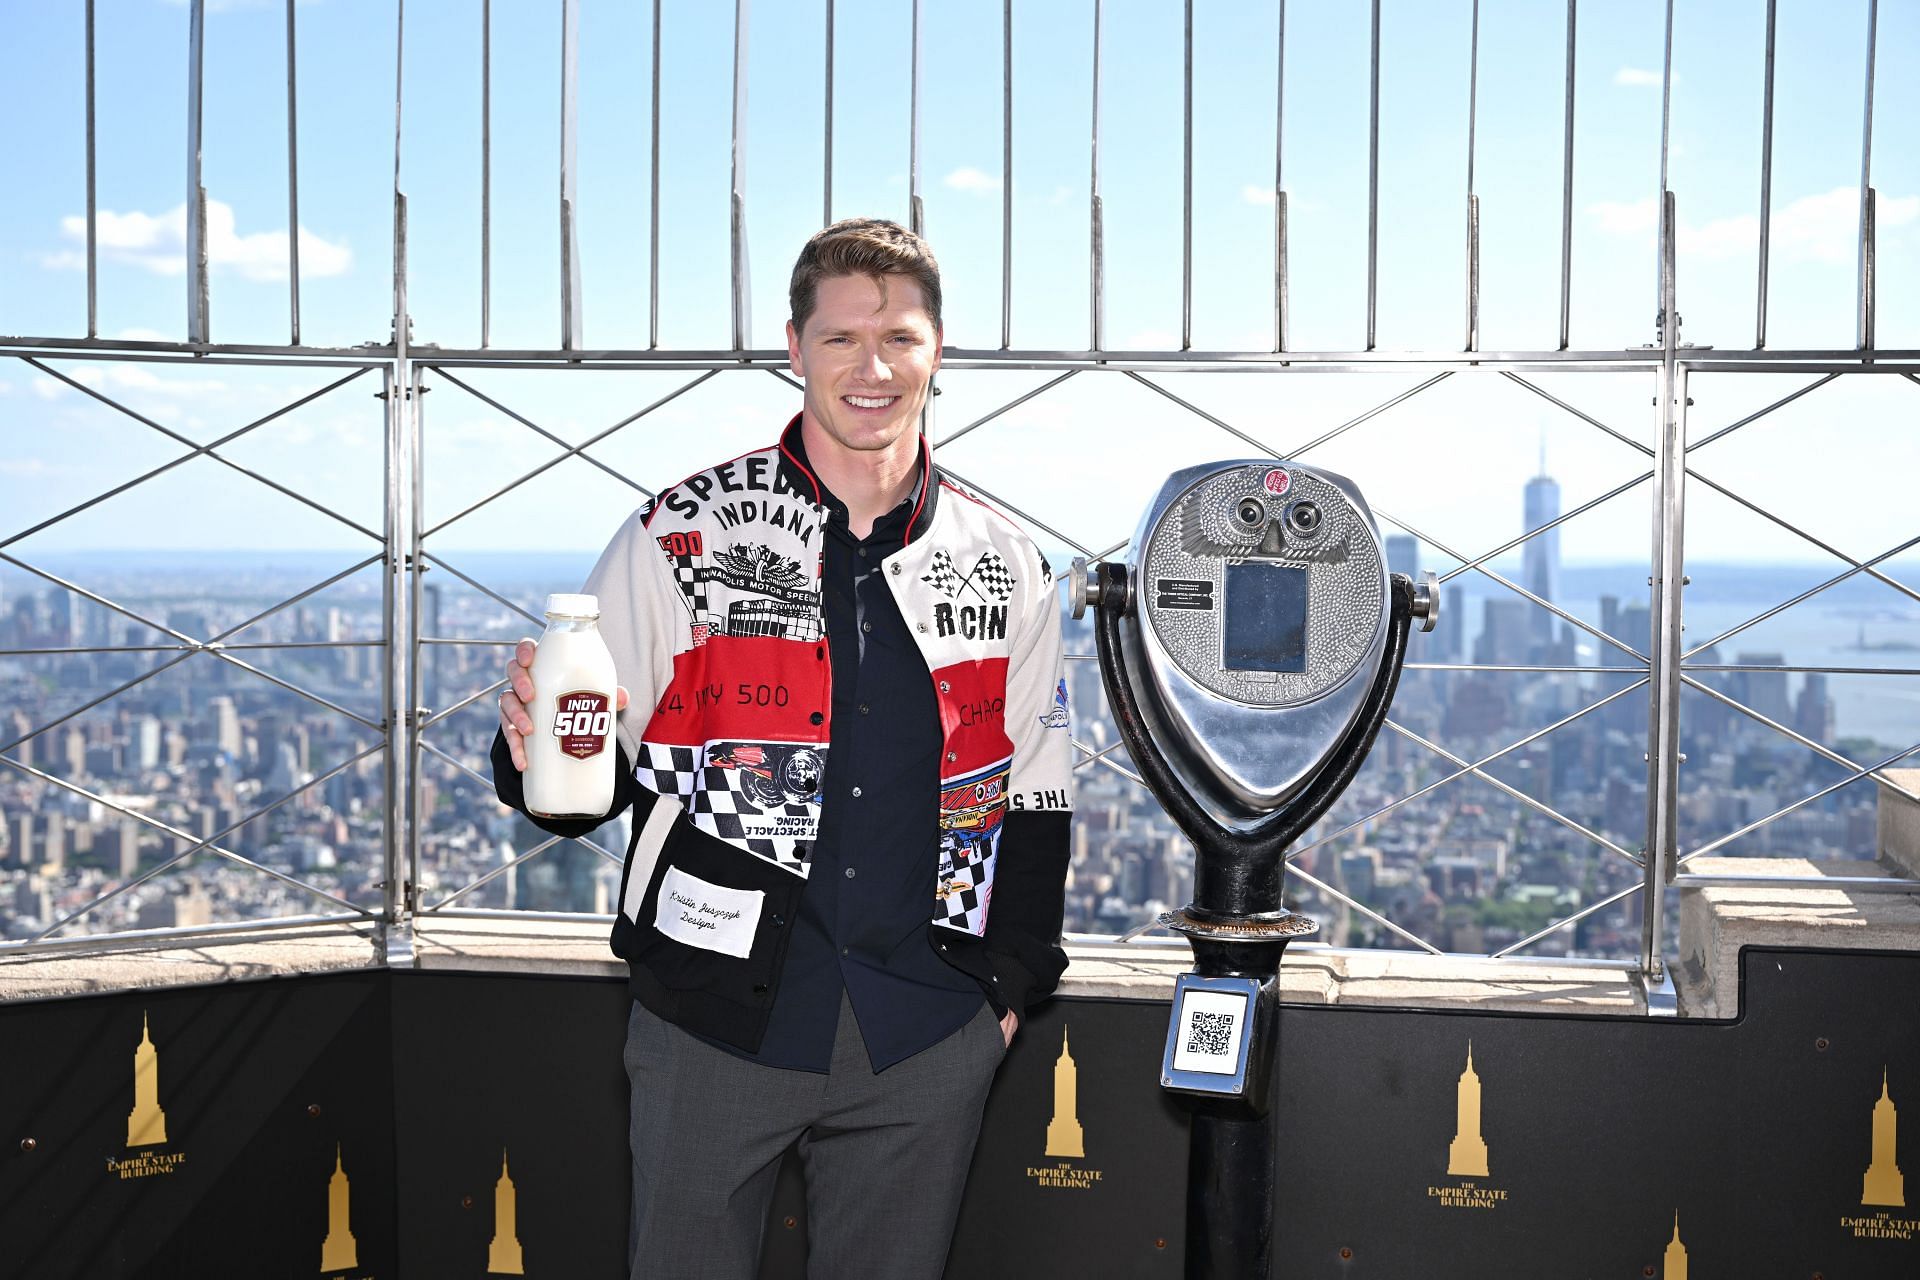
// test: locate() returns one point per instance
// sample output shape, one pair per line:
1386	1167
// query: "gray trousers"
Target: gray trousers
885	1155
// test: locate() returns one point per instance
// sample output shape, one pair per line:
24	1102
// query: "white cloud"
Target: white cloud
1819	228
1254	194
158	243
1638	78
968	178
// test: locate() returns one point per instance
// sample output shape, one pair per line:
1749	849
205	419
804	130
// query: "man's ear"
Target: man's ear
793	352
939	346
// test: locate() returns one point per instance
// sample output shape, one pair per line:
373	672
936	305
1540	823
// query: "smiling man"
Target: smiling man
846	751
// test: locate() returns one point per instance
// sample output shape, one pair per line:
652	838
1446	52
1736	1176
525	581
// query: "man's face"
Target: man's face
868	355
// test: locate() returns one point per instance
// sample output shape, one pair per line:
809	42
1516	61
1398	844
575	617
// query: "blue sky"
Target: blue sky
1452	461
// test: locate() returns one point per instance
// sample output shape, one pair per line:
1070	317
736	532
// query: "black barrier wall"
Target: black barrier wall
409	1124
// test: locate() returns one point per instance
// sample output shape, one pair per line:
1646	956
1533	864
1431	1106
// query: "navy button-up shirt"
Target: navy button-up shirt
863	919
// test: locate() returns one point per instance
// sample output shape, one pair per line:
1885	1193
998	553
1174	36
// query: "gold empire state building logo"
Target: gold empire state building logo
1883	1183
338	1252
503	1253
1063	1131
146	1123
1467	1156
1674	1266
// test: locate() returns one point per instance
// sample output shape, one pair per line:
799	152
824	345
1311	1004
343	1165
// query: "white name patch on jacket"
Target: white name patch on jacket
705	915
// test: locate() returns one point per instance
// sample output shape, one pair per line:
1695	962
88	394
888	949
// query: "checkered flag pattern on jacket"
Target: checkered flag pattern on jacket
943	577
715	803
992	574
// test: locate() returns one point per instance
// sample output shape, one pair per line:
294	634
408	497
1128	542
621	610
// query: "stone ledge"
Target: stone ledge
1715	923
1899	821
1124	971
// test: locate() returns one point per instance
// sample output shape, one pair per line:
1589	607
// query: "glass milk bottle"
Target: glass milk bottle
570	755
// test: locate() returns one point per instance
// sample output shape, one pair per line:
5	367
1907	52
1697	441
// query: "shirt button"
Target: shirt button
863	553
816	718
849	873
856	792
863	708
846	951
866	626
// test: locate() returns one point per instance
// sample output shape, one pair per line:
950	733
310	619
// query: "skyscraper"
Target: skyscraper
1540	566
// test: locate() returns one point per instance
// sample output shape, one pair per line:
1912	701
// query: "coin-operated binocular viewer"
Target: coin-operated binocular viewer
1250	652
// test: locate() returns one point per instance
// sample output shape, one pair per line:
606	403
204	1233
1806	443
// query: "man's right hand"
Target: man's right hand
516	719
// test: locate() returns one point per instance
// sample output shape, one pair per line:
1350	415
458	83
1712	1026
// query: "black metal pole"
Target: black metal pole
1238	926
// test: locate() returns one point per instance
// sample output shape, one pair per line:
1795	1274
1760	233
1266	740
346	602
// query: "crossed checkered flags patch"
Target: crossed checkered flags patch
988	577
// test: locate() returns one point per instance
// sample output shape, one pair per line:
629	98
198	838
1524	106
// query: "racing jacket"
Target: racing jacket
711	604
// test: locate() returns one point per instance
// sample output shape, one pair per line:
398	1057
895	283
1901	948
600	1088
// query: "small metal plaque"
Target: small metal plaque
1210	1035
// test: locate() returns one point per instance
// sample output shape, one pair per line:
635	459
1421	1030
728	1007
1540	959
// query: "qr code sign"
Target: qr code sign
1210	1034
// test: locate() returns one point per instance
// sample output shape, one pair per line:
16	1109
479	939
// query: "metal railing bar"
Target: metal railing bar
1464	770
1198	412
1186	180
653	222
277	607
495	913
486	172
1096	227
1279	184
1374	412
196	451
100	600
1516	588
1100	757
571	451
1761	413
1539	668
1373	174
36	730
194	353
402	321
826	144
1473	200
93	239
1558	925
1566	180
467	640
197	934
435	717
1554	523
781	375
1819	749
1855	776
481	587
1295	870
1783	606
175	436
1842	884
494	874
1864	330
571	325
1545	810
1766	187
293	181
1585	417
738	180
1031	519
208	844
1010	405
196	202
916	210
537	429
1790	527
1823	671
293	688
1006	176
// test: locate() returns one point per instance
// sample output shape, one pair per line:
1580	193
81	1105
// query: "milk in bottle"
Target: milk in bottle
570	754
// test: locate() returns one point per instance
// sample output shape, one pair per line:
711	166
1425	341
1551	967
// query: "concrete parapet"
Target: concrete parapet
1715	923
1899	839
